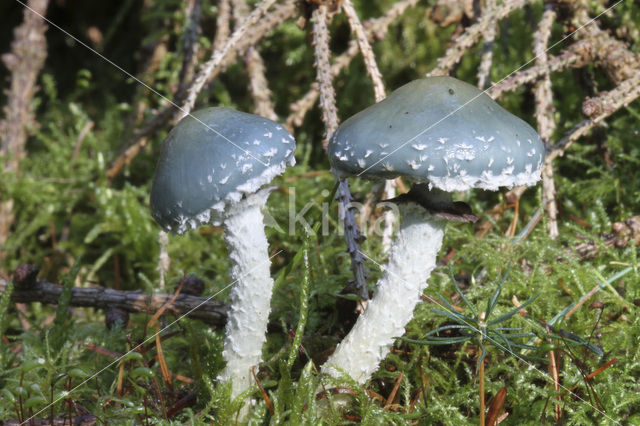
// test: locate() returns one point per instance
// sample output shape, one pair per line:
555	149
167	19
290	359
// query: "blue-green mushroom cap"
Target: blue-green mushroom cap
442	131
212	159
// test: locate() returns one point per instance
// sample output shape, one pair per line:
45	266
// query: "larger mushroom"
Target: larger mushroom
211	169
445	135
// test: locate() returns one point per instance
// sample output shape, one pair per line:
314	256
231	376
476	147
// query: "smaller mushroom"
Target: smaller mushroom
445	135
211	169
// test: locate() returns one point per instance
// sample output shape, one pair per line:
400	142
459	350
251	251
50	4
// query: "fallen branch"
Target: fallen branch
28	289
87	420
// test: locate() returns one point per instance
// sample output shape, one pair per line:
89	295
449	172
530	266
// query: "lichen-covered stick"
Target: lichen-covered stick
445	135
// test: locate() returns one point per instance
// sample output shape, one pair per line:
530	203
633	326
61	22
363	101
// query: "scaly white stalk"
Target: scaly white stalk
411	260
251	292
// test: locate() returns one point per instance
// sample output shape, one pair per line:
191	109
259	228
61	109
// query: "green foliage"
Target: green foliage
62	321
66	210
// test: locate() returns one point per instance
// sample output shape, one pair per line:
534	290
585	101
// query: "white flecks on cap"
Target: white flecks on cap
465	152
487	180
271	152
414	165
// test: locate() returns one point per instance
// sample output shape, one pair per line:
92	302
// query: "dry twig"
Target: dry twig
544	117
365	48
486	57
28	52
190	46
258	84
169	113
617	61
320	34
374	28
600	107
223	27
214	64
577	55
473	33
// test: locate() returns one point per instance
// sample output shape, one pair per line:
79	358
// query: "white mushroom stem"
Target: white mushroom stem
251	291
411	260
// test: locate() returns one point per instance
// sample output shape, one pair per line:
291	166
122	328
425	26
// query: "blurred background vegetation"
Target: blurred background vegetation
67	210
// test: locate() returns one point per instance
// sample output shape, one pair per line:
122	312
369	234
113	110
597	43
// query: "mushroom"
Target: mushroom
445	135
211	169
